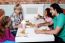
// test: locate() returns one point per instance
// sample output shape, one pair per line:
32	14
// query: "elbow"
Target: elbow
55	33
57	30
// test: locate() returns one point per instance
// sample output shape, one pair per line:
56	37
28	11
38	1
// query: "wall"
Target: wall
9	8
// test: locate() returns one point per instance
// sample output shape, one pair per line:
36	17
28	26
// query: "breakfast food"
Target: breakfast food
23	32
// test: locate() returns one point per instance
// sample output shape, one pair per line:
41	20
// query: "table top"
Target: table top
31	36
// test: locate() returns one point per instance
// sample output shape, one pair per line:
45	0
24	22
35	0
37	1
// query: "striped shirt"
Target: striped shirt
16	19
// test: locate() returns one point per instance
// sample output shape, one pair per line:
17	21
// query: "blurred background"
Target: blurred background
31	1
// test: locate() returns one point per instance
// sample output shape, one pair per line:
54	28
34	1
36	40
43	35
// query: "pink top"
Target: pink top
48	19
7	36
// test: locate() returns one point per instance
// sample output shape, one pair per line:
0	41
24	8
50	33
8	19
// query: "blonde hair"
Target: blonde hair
18	5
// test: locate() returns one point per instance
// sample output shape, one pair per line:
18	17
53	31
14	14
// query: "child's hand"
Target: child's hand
36	31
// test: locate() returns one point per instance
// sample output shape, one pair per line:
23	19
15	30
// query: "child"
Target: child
47	17
16	18
5	33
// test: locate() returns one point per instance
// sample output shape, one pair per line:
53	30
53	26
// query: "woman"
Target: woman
59	23
16	17
5	33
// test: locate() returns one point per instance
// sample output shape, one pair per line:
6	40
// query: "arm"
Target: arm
44	24
56	31
47	22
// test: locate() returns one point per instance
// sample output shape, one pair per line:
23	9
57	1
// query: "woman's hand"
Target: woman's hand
40	31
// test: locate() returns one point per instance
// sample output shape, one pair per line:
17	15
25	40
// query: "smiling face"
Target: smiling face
53	11
45	13
17	10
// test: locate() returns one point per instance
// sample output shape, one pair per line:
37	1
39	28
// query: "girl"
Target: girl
47	18
16	18
5	33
